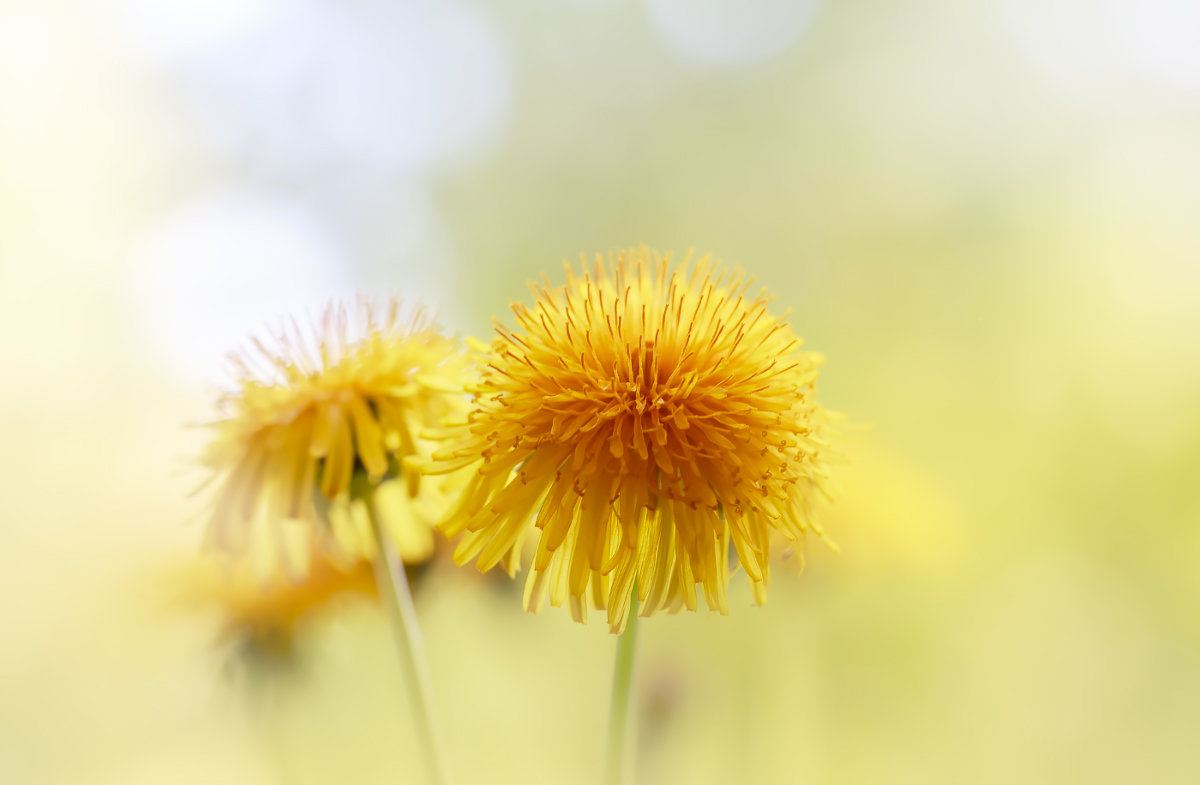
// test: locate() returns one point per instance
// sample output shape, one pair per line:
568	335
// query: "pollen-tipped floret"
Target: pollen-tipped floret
642	418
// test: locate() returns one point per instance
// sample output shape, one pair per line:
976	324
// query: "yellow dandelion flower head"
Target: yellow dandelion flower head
643	418
262	618
317	416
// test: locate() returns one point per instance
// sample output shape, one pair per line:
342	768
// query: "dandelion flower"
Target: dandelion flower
317	429
262	618
642	419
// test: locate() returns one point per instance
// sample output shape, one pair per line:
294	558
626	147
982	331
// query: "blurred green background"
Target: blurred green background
984	214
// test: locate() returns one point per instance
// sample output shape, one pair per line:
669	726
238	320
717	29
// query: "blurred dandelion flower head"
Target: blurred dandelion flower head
644	417
262	619
318	427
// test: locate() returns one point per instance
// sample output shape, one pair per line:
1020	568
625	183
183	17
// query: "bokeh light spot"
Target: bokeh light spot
228	264
727	32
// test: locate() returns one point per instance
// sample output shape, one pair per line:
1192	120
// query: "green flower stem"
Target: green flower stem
619	730
393	587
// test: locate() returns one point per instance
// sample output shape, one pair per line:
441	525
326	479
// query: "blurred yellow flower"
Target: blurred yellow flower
261	617
317	429
649	417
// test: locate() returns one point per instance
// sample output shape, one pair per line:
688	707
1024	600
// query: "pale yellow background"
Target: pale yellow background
984	214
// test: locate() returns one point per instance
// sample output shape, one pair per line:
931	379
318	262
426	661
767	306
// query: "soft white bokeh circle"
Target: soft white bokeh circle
175	30
228	265
308	87
1092	48
1160	39
728	32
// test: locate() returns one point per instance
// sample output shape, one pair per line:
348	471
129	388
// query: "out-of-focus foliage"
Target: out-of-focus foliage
983	214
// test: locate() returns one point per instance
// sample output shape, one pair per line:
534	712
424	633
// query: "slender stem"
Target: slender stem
619	748
393	587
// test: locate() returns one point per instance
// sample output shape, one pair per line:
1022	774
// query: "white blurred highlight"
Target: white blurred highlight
178	30
1160	38
728	32
227	266
301	88
1090	47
